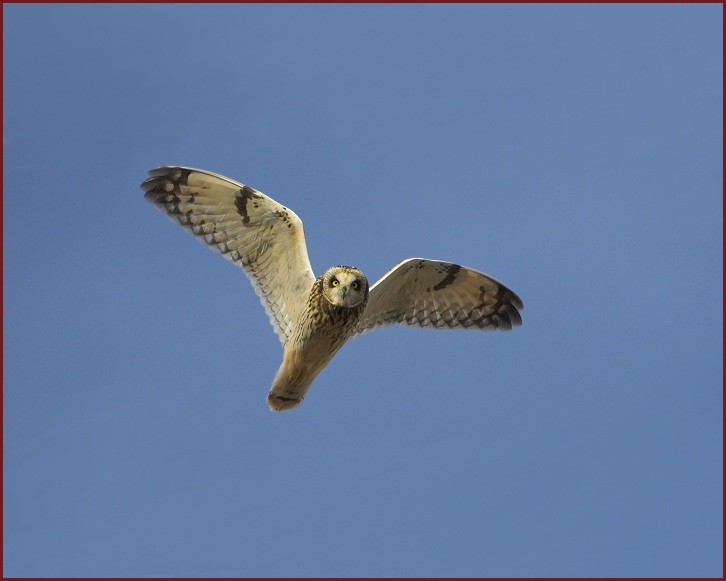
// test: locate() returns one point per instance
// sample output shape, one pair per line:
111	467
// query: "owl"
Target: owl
314	317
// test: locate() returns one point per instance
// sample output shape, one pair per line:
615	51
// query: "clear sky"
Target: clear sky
573	152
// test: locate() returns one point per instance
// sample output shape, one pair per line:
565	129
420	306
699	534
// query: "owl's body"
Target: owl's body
315	317
323	328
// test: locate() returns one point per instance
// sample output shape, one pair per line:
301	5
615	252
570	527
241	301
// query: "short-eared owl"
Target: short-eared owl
314	317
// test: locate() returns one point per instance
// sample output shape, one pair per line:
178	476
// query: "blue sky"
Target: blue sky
573	152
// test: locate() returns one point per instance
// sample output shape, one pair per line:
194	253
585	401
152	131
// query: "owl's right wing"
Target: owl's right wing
437	294
252	230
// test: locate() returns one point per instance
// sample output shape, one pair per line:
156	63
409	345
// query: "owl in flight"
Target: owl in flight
314	317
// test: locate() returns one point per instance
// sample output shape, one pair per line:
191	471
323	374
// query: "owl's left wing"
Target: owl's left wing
245	226
437	294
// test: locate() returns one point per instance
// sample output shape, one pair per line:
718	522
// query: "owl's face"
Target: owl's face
345	286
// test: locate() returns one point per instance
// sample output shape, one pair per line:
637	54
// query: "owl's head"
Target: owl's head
345	286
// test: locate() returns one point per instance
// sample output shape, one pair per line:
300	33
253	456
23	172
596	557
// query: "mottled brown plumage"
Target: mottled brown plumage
325	325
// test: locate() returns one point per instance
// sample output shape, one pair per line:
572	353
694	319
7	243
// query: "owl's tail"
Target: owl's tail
289	387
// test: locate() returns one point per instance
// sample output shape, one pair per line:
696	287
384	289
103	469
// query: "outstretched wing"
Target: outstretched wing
433	293
255	232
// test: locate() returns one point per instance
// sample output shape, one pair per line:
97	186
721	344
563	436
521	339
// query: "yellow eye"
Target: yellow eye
334	282
355	285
